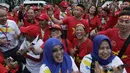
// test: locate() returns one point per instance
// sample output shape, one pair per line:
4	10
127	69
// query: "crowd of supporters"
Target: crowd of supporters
65	38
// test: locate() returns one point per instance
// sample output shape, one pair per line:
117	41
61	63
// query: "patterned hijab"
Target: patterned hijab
96	44
55	67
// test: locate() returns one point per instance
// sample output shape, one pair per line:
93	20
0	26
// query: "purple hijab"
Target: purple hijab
48	60
96	44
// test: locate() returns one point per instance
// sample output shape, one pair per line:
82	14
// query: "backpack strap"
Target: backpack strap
124	47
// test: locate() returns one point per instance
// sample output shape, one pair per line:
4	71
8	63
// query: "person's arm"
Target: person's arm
34	58
74	67
56	21
51	15
85	65
44	69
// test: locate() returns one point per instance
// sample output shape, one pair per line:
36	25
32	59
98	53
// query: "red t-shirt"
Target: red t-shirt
57	14
71	22
3	69
46	34
110	23
67	45
26	23
117	44
14	17
94	22
83	49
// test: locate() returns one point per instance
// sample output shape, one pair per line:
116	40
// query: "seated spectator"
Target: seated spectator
55	60
101	59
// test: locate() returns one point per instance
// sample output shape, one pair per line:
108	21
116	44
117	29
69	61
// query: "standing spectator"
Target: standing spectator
62	13
34	47
13	14
9	37
30	18
71	21
44	24
92	18
107	20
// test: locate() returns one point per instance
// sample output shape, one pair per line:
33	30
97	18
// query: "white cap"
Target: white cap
4	5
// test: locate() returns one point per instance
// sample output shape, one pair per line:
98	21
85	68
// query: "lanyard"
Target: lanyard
5	33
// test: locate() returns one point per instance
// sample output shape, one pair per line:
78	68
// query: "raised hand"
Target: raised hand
97	67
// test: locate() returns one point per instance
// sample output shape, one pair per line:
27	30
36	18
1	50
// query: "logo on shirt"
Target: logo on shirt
73	29
113	43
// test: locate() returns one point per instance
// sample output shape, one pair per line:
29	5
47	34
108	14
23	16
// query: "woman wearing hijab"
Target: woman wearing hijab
101	59
55	60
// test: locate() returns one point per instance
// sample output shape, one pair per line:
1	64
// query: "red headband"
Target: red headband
125	17
79	8
80	25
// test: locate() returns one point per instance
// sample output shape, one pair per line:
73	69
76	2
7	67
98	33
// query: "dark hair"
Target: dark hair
127	8
10	8
106	10
95	11
82	6
124	13
126	1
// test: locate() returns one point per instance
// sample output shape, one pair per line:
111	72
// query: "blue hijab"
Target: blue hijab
96	44
48	60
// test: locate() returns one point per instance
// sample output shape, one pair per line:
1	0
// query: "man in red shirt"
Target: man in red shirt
13	14
43	20
71	21
119	35
63	11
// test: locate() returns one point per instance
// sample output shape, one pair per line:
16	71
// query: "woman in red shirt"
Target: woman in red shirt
92	18
82	44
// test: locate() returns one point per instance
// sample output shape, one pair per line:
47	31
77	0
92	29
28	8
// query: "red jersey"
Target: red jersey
26	23
13	17
67	45
110	22
59	15
71	22
117	44
45	34
94	22
83	49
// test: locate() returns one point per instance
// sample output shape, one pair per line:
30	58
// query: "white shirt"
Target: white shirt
86	64
45	69
31	65
11	32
